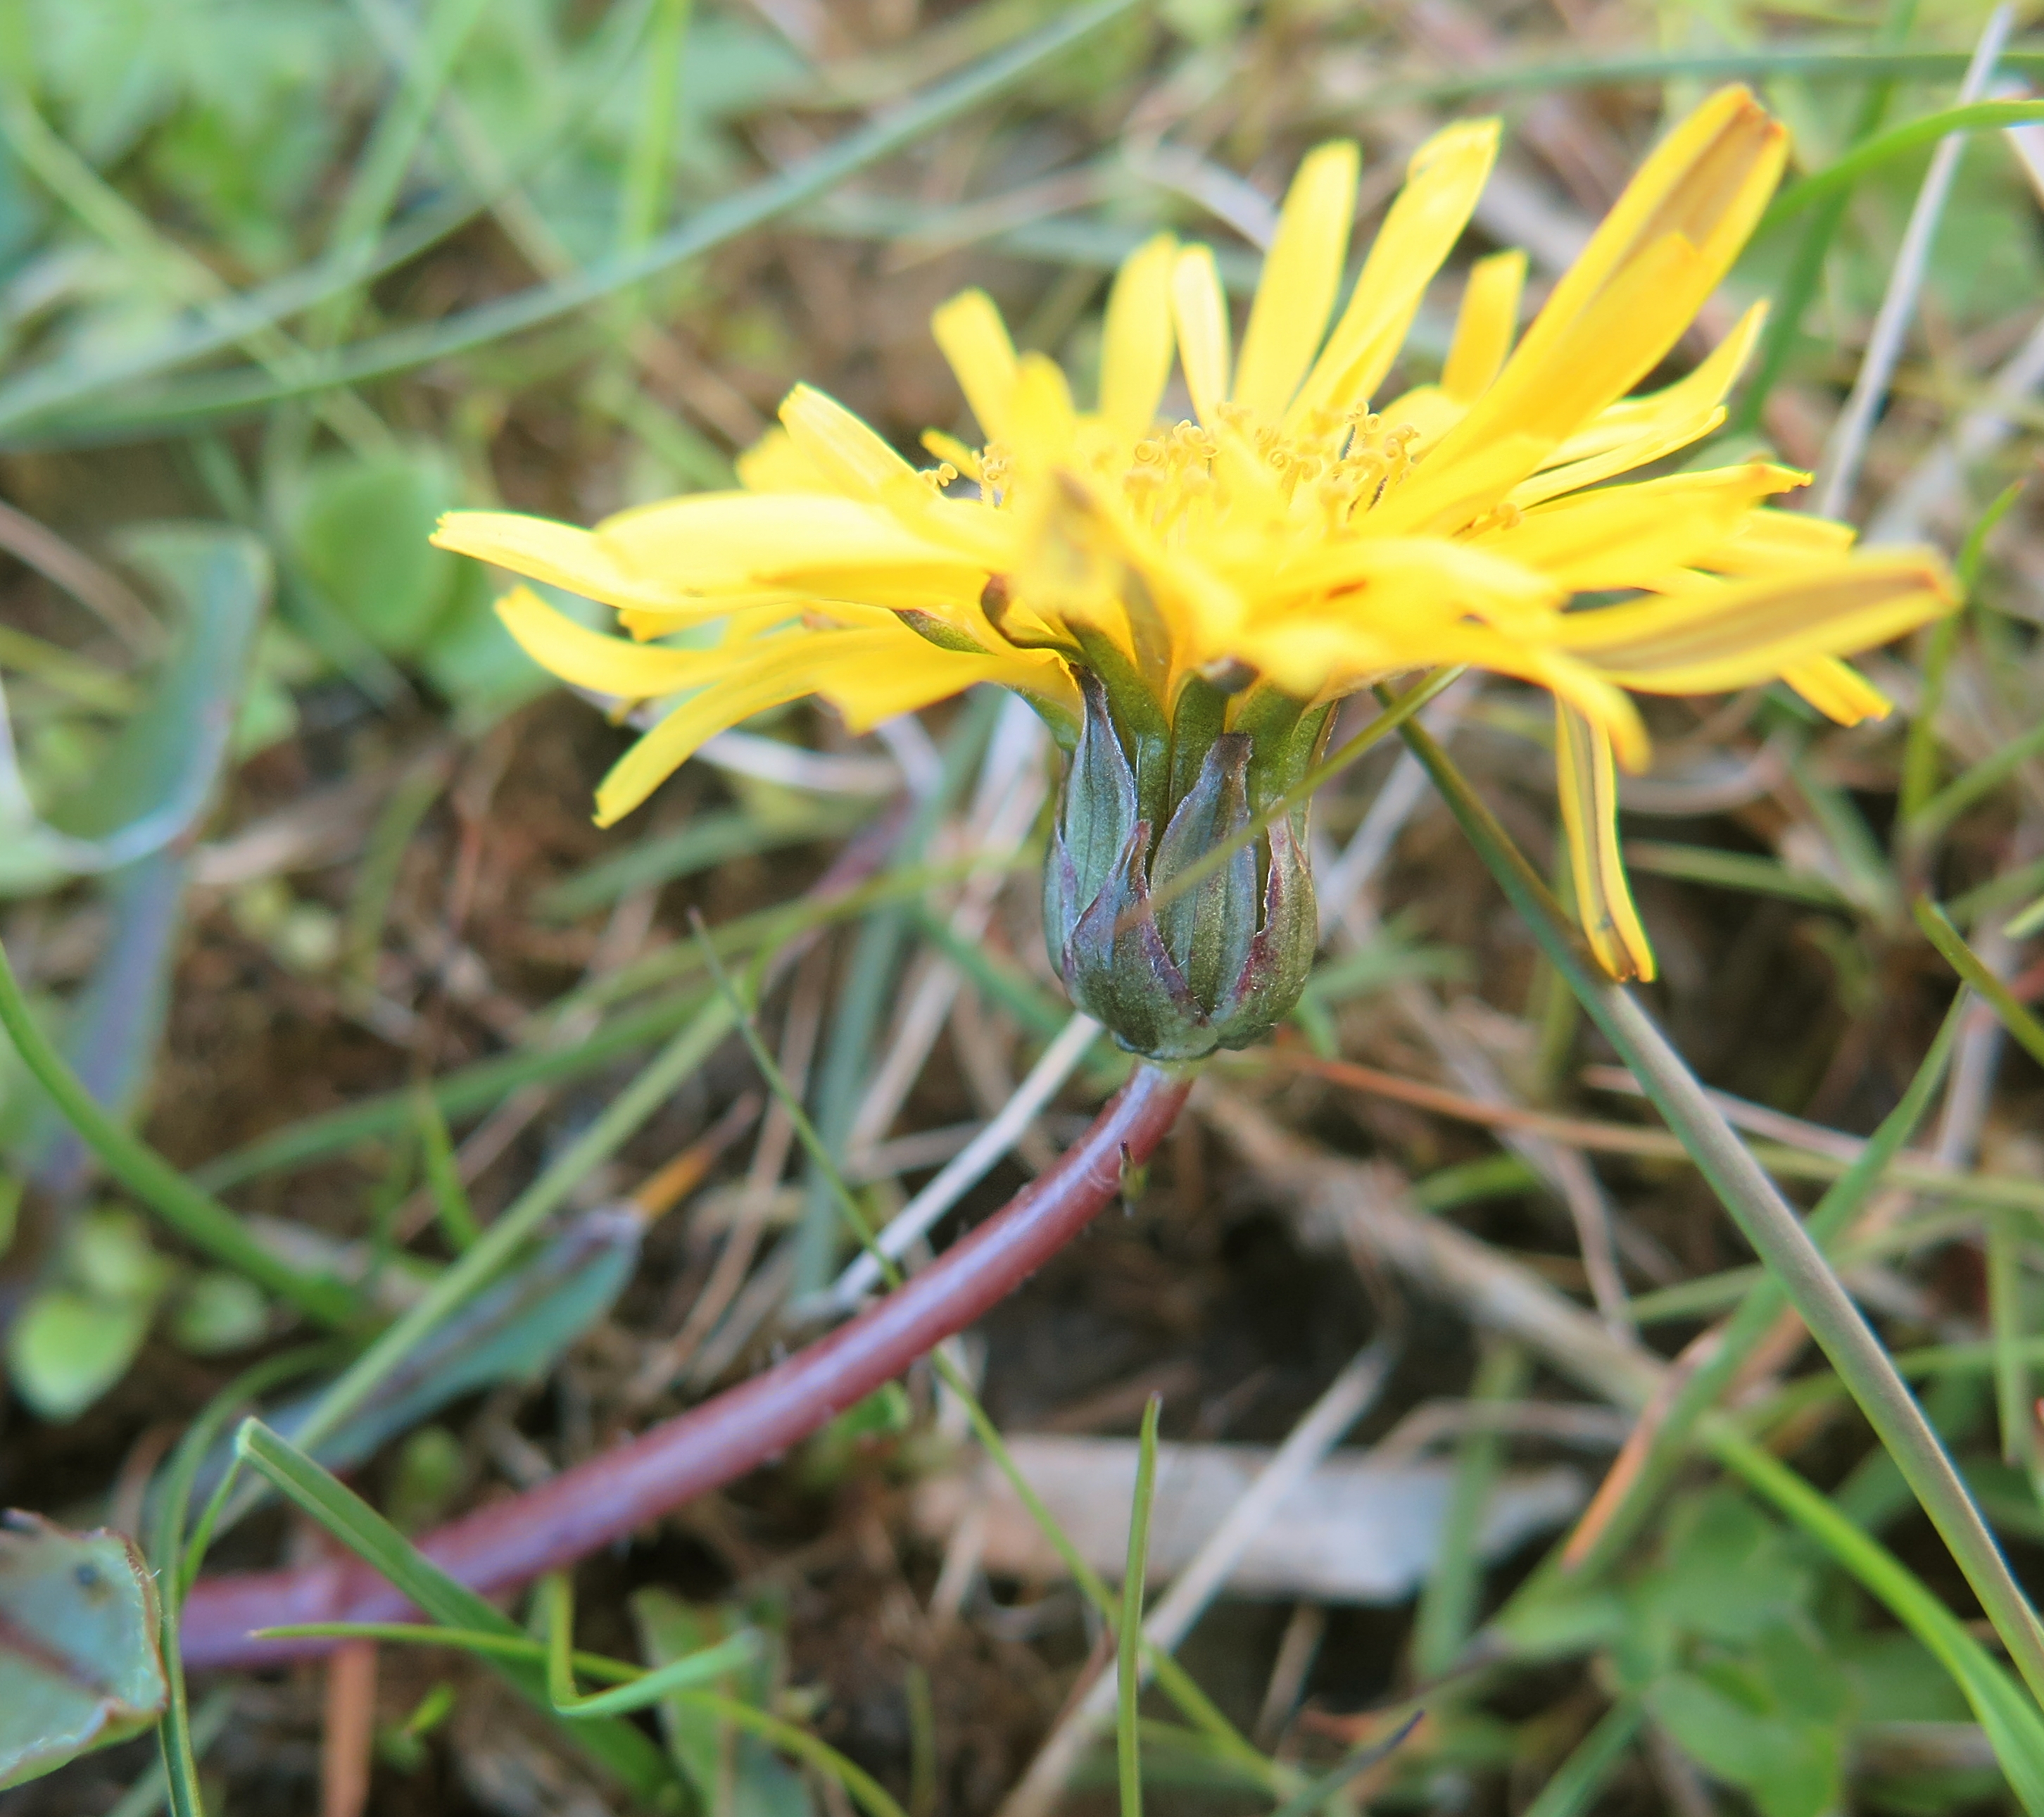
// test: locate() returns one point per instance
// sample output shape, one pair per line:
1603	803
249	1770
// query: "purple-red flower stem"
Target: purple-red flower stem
507	1543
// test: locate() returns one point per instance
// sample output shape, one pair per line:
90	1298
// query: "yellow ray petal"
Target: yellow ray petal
736	615
974	340
1041	420
839	445
1296	290
1513	429
1199	311
716	542
1705	184
768	672
677	737
1627	456
1619	537
1428	409
1717	639
1770	541
1651	421
1485	325
1624	332
559	554
1324	655
1395	578
1837	690
866	693
773	463
1443	182
871	669
1588	783
584	658
1660	252
1442	497
1136	339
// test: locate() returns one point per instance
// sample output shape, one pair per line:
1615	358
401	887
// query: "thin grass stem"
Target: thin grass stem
1768	1222
1128	1640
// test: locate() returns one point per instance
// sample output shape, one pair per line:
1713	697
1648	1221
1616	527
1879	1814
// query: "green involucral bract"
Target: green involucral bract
1216	964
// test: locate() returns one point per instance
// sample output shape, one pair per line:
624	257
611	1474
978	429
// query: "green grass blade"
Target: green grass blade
708	839
1579	1780
1766	1221
1899	142
556	1600
2015	1404
645	185
159	261
451	1201
177	1742
95	370
317	1492
1746	871
1128	1642
1446	1616
1971	783
406	350
743	934
2014	1724
1833	60
516	1644
1920	749
624	1750
818	1755
1920	752
1309	1798
462	1092
2015	1016
394	141
1806	265
621	1118
1172	1679
1176	1682
196	1216
521	1649
676	1675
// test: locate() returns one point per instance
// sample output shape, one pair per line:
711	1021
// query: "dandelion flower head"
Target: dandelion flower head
1296	538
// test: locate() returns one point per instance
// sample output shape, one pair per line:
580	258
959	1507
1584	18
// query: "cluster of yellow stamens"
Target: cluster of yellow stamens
1344	462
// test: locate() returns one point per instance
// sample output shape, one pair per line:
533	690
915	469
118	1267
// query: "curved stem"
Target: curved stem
609	1496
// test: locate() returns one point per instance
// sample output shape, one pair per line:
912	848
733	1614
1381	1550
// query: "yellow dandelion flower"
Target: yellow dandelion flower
1185	599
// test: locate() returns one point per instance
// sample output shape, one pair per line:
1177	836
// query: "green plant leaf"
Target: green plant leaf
761	1784
68	1348
218	1312
79	1667
1790	1768
160	771
78	1333
361	530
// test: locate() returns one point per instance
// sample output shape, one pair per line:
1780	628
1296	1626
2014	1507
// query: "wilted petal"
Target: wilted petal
1588	782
